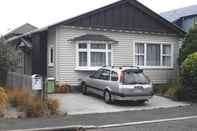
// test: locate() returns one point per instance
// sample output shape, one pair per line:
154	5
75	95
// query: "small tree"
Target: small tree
189	45
189	77
7	60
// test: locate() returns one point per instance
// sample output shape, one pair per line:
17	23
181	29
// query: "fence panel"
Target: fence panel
16	80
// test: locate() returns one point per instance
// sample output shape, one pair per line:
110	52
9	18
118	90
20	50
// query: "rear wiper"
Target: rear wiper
142	82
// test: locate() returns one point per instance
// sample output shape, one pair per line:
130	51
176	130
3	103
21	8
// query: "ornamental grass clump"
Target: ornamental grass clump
31	106
17	97
3	101
53	106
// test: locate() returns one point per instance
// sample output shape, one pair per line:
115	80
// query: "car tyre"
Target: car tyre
84	88
107	97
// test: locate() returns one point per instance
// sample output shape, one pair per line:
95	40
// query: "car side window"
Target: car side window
105	75
97	74
114	76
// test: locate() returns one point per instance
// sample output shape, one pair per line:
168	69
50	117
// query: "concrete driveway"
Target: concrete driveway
77	103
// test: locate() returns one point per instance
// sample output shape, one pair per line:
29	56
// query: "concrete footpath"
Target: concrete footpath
100	119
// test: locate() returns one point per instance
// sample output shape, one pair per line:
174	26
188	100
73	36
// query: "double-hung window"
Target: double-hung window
149	54
93	54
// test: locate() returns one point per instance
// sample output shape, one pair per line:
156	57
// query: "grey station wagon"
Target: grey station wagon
119	83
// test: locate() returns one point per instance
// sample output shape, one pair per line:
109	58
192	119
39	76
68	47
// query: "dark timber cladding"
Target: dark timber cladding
125	15
39	53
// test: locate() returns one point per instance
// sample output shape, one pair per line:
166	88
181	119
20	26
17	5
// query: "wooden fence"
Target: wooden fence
16	80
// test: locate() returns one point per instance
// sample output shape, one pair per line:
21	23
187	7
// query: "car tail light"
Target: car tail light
121	78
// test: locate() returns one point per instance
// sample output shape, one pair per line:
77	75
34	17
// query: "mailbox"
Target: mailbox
36	82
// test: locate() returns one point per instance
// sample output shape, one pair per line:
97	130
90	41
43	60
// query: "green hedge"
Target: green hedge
189	45
188	77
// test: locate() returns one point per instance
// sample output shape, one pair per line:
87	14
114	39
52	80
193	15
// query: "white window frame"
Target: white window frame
161	54
89	50
51	64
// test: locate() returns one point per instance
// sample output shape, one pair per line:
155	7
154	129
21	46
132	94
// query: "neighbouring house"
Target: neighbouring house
23	56
185	18
122	33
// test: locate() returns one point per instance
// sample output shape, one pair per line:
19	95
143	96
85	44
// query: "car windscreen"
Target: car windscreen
134	77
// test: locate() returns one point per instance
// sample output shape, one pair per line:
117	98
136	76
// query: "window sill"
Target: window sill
50	65
156	67
87	68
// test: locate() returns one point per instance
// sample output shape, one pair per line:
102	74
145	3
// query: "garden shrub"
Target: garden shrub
3	101
189	45
64	88
17	97
171	92
34	107
188	77
53	105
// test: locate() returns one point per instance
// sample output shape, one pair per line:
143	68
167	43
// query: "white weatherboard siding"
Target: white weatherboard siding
51	41
122	54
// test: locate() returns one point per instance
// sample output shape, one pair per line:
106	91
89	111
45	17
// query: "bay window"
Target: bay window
153	54
93	54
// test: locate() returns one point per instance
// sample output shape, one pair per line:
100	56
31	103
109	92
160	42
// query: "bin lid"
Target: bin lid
36	76
51	78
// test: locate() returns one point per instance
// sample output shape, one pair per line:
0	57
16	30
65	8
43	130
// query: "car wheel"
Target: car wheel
84	88
107	97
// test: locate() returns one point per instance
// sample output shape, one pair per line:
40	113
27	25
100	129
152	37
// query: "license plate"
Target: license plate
139	87
137	91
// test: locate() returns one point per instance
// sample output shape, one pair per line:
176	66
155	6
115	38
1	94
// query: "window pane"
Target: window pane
51	57
139	48
153	54
109	58
98	58
166	61
97	74
105	75
139	60
114	76
167	49
82	58
82	46
98	46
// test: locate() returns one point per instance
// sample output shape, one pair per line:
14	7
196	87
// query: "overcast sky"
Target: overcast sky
45	12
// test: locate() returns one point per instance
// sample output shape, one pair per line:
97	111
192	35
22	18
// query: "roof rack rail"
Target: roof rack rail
121	66
130	66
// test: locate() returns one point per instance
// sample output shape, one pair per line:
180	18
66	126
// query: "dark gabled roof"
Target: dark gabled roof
124	15
176	14
93	37
20	30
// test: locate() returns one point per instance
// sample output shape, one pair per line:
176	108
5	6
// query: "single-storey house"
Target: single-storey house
122	33
185	18
23	57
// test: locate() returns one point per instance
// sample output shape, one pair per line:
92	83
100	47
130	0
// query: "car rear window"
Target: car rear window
135	77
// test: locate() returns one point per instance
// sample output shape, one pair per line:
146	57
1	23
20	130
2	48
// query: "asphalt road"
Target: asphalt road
180	125
110	118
